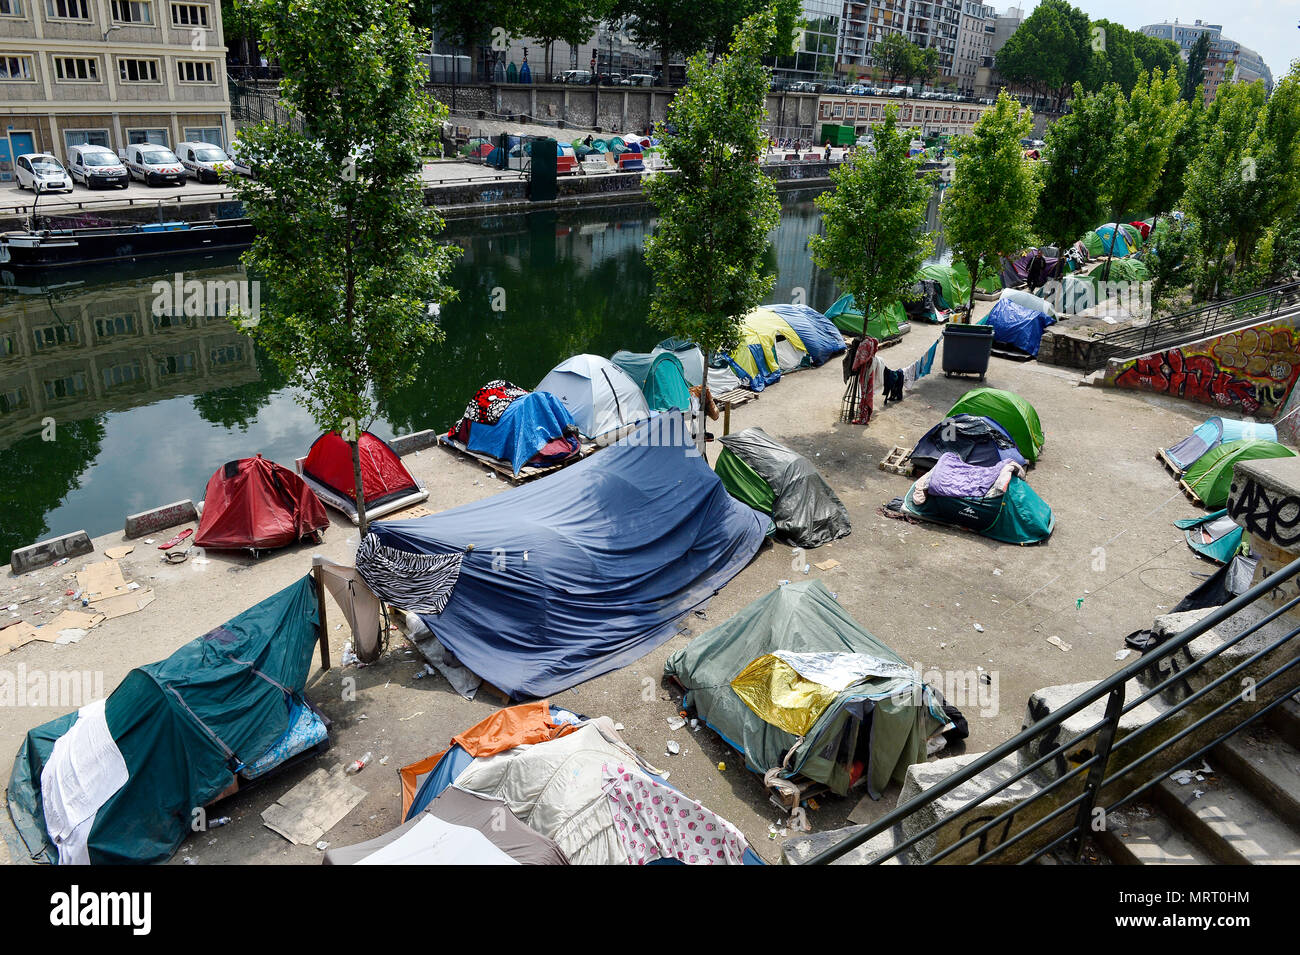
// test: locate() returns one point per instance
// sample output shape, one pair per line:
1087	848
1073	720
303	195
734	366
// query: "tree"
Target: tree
926	65
673	27
1114	59
874	239
342	233
1182	153
1049	52
1154	53
1145	129
1077	159
572	21
717	207
988	209
1194	72
895	55
463	23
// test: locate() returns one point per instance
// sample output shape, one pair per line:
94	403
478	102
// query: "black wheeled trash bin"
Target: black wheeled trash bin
966	349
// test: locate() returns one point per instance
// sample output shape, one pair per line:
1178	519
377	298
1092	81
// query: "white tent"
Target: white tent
601	396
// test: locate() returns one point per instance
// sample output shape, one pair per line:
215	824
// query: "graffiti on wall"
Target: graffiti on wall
1251	371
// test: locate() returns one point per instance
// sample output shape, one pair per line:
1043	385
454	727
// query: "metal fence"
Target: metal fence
1198	323
1092	770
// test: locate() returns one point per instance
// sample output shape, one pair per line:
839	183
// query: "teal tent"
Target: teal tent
183	727
885	323
660	376
1216	536
798	686
1017	516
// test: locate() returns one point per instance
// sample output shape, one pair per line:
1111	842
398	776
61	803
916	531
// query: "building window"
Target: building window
69	387
176	364
156	136
67	10
51	336
76	69
133	11
11	8
85	137
137	71
16	68
195	71
190	15
111	326
204	134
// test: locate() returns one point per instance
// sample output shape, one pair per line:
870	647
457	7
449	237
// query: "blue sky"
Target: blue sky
1270	27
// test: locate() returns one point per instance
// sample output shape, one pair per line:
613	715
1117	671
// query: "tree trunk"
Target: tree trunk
702	422
358	494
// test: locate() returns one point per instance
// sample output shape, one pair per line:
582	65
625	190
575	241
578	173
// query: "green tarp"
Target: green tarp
954	279
743	482
1016	415
803	618
183	725
886	322
1210	475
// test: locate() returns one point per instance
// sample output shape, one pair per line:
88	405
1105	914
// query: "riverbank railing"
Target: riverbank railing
1095	772
1195	324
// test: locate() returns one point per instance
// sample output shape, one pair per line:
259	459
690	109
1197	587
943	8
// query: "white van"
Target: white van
153	164
204	161
95	166
641	79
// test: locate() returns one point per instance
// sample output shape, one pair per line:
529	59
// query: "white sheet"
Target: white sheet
84	771
433	841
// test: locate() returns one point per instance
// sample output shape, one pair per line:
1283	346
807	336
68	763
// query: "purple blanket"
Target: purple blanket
953	477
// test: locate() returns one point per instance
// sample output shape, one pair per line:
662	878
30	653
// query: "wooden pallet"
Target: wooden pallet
736	397
1190	494
1168	462
898	461
527	473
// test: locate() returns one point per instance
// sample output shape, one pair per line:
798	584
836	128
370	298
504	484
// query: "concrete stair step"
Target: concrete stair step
1265	764
1232	825
1285	721
1143	835
799	849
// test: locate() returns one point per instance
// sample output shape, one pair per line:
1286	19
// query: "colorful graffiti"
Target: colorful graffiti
1251	371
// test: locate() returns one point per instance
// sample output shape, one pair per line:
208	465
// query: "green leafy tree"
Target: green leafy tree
725	17
895	55
570	21
988	210
1049	52
1182	153
1156	53
1145	129
463	23
926	65
672	27
343	234
873	238
1194	71
717	207
1077	160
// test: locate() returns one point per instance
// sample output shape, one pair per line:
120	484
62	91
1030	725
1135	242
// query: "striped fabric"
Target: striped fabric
418	582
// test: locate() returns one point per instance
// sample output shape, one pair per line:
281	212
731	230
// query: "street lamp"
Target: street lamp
104	38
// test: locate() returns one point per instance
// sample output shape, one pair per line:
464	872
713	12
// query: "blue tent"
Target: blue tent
584	571
1018	325
524	428
819	334
1212	433
1216	535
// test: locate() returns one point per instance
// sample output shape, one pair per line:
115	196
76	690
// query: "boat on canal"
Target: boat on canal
77	246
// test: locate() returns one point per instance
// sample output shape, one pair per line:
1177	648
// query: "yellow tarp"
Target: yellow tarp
761	327
780	696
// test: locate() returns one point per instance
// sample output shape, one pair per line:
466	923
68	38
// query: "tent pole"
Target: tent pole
316	573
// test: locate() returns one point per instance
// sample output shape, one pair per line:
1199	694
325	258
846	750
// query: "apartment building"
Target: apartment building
111	72
974	42
1248	65
926	117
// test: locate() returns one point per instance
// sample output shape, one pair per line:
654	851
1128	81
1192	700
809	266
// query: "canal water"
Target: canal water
107	409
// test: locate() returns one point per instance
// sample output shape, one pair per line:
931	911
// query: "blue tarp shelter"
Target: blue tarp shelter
583	572
1018	325
523	429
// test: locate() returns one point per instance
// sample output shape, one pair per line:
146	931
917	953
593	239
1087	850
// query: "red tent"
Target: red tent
386	485
258	504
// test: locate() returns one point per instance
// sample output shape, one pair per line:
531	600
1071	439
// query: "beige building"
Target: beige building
111	72
927	117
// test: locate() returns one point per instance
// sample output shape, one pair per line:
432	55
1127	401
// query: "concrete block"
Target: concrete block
416	441
1285	721
1265	500
160	518
43	553
801	848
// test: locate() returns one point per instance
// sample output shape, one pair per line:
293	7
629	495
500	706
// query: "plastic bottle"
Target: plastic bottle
357	765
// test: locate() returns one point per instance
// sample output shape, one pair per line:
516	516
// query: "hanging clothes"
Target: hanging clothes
864	364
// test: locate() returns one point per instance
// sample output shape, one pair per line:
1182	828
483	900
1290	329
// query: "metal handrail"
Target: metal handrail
1197	323
1112	689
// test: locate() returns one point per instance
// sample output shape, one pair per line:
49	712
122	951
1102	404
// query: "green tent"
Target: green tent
772	478
1016	415
954	280
1127	270
789	653
1215	535
183	727
885	323
1017	516
661	378
1210	476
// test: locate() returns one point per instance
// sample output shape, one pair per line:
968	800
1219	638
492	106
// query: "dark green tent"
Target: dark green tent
1018	516
183	726
770	477
800	644
1016	415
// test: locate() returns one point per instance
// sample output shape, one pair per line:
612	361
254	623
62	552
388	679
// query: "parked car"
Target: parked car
41	172
902	91
204	161
641	79
834	88
857	90
153	164
241	163
576	77
97	166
